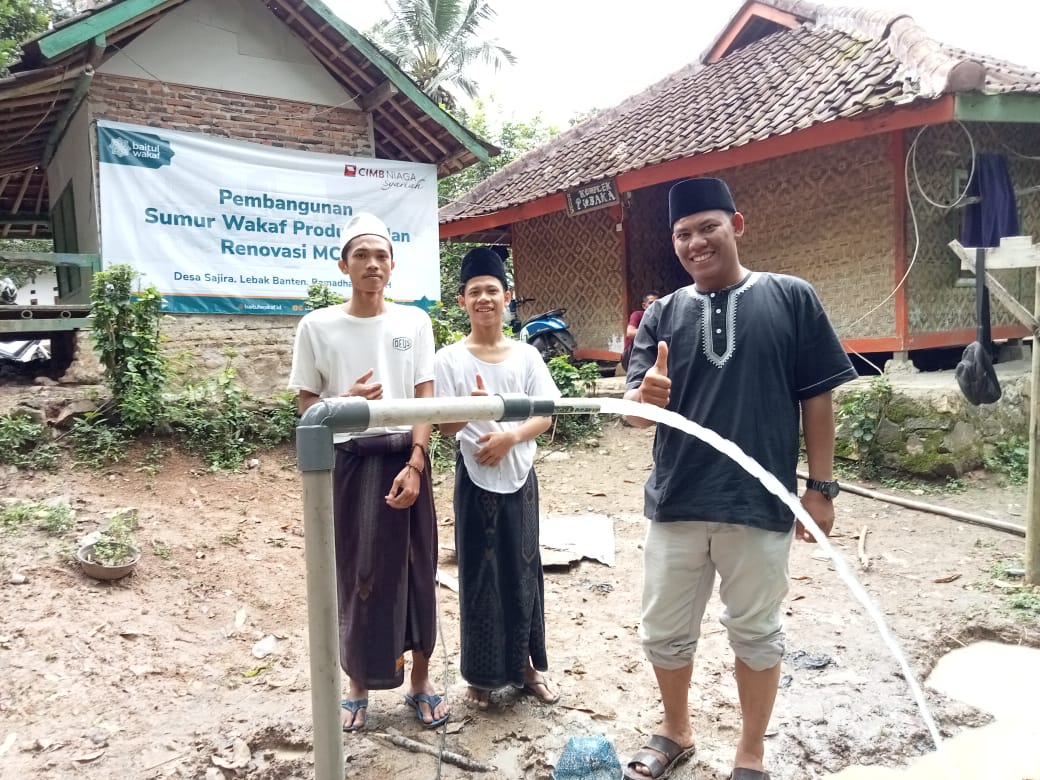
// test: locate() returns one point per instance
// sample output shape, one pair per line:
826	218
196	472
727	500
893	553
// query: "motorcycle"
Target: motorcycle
547	332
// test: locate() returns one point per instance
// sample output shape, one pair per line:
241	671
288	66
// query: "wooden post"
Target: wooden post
1033	492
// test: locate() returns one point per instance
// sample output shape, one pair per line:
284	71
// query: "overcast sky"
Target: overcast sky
575	55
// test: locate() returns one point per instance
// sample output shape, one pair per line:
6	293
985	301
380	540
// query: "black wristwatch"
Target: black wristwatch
829	489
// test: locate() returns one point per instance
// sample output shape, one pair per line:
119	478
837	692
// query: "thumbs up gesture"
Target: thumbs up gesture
656	387
481	389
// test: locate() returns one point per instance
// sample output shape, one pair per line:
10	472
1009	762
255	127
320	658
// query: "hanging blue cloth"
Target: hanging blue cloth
996	214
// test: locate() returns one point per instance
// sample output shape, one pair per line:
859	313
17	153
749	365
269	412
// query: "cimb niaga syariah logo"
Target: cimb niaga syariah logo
386	175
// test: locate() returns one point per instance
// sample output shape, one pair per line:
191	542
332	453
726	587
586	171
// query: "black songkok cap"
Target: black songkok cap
691	196
482	261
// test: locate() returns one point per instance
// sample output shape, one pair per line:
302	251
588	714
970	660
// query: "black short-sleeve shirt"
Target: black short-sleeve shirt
741	360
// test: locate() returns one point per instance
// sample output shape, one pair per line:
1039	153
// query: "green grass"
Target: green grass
952	486
1026	601
54	519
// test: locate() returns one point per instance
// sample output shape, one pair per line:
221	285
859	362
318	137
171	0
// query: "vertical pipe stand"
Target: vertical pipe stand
316	459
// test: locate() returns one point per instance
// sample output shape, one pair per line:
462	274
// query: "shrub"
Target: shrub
26	443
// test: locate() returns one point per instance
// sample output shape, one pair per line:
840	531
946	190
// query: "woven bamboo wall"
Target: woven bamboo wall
825	215
574	263
936	303
652	264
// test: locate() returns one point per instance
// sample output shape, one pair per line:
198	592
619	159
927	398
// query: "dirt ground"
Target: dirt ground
154	676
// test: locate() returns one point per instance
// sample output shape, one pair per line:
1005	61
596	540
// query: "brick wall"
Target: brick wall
263	344
272	121
573	263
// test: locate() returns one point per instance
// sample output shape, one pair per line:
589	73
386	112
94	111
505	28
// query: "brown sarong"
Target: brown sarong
386	562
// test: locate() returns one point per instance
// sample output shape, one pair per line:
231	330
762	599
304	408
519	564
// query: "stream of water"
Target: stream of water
774	486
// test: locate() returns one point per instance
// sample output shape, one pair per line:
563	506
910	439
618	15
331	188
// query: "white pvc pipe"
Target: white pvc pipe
323	624
434	410
316	460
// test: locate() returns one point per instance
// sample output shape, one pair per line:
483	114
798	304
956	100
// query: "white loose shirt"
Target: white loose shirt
523	371
333	349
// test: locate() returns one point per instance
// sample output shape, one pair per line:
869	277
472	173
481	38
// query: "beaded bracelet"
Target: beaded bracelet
416	469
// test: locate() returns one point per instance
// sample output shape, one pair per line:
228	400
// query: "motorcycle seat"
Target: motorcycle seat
546	315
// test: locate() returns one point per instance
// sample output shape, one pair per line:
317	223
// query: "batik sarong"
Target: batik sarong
501	590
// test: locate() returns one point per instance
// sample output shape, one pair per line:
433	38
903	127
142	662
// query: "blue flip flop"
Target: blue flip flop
432	700
352	706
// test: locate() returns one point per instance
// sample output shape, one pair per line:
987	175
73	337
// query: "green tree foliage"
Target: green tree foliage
515	138
20	20
22	273
321	296
125	331
574	382
437	43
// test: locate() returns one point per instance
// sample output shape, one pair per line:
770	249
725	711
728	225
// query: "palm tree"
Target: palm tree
435	42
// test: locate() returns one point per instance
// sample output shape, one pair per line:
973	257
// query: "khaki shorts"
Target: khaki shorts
681	559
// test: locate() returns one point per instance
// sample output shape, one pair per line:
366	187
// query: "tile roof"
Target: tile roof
46	84
838	64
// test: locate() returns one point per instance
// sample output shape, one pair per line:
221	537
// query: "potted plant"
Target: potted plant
111	552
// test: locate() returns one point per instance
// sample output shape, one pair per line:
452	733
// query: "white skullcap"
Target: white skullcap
363	224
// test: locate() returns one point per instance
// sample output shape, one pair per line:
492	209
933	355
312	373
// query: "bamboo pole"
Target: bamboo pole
920	506
1033	493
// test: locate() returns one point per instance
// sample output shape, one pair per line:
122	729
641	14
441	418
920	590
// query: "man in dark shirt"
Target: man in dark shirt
748	355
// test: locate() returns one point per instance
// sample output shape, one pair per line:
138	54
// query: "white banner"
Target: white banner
231	227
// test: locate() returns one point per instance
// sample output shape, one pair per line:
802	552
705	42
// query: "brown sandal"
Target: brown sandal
674	754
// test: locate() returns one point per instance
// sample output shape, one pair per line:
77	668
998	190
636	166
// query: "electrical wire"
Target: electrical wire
912	155
444	650
1013	152
910	165
43	118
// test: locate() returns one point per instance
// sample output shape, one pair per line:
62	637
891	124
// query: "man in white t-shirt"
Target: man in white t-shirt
501	592
386	529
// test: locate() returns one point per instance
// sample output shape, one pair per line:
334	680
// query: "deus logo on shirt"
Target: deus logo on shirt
403	344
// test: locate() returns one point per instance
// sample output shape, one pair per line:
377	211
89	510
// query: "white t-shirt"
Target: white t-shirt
333	349
523	371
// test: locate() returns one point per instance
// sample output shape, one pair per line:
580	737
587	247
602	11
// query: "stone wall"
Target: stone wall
258	347
929	429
